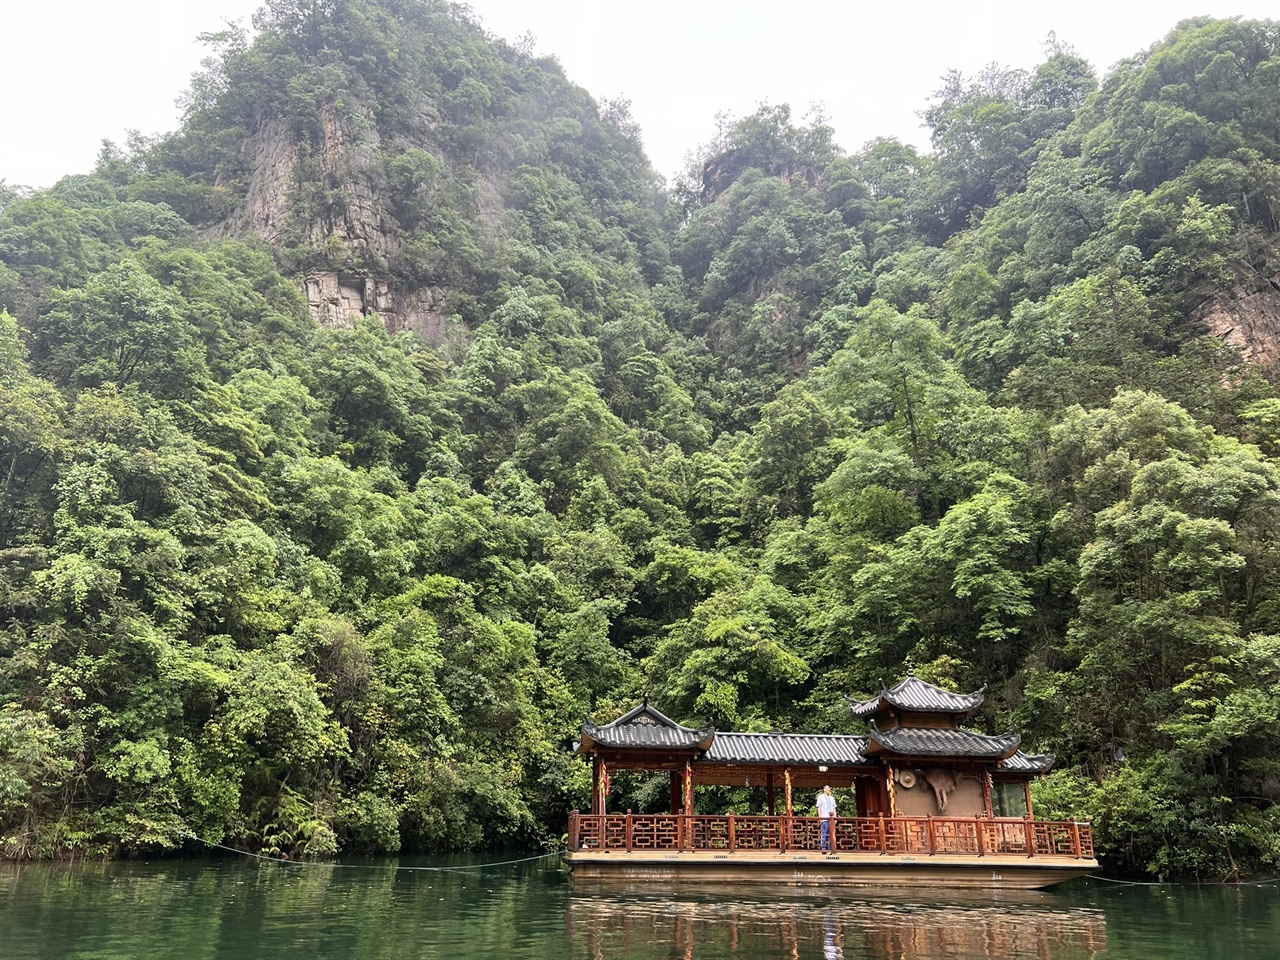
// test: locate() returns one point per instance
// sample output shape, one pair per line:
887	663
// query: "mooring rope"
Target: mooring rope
556	853
363	866
1193	883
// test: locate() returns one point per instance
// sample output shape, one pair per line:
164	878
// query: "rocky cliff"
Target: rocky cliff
331	195
1247	317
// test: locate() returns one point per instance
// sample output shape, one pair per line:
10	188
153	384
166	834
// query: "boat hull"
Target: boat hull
639	868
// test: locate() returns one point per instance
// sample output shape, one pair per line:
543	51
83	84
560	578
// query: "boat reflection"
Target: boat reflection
889	926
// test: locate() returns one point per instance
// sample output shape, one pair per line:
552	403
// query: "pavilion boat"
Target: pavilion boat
936	804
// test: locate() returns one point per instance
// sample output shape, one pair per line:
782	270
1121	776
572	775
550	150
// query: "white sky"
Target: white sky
73	72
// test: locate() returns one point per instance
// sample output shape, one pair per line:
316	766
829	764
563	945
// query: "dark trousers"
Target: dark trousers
826	833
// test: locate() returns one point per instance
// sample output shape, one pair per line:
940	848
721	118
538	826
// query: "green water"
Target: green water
227	910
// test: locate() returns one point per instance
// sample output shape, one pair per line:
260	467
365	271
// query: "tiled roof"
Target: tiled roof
800	749
915	694
1027	763
645	728
935	742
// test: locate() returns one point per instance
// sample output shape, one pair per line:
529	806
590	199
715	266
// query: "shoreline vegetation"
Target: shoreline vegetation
361	436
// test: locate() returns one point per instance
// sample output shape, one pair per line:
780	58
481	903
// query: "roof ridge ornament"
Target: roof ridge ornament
913	694
645	726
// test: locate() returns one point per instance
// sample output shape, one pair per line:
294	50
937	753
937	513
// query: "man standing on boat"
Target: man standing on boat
827	811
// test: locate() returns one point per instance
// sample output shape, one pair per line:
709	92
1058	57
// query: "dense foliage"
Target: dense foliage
744	446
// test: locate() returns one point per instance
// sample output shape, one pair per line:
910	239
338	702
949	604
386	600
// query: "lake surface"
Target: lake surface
234	910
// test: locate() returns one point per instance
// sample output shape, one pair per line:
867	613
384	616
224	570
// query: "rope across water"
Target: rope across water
1166	883
364	866
556	853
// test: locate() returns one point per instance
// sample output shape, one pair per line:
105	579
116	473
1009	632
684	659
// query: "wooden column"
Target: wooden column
787	776
604	788
768	786
688	788
1026	789
986	792
893	793
595	785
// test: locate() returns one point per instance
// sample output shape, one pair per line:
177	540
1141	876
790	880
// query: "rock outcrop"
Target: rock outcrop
339	179
272	154
336	300
1248	318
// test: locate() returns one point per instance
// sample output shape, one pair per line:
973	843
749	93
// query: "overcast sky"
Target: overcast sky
76	71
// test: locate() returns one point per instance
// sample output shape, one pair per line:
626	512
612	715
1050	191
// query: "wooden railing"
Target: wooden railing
970	836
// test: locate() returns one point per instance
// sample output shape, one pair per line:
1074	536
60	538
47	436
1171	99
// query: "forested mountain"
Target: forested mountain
360	436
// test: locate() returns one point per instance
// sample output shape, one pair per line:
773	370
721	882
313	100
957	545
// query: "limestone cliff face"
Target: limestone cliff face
336	299
1248	318
273	159
340	178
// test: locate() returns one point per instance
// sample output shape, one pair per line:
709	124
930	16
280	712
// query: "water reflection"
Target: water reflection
396	910
977	924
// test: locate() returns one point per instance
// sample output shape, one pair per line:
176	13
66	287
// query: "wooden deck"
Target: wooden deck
889	851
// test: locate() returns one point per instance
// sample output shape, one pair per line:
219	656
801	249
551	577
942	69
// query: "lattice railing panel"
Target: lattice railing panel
1086	840
906	835
844	835
806	834
955	836
867	833
1053	839
890	835
710	833
615	833
757	833
588	833
1004	836
655	833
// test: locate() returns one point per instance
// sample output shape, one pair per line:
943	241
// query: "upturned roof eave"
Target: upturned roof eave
955	704
954	744
1027	764
611	735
